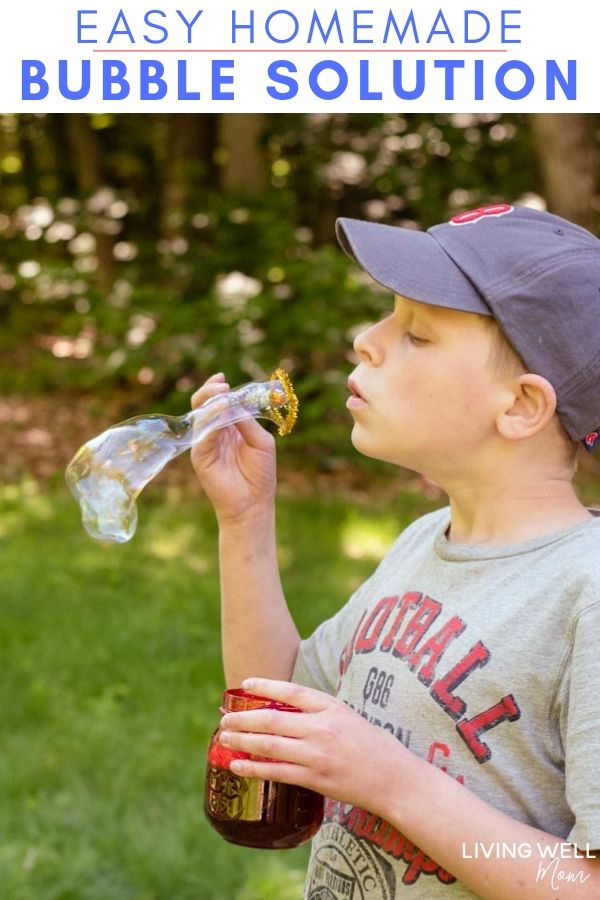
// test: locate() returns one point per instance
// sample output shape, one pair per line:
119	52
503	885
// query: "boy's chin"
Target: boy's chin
368	447
365	446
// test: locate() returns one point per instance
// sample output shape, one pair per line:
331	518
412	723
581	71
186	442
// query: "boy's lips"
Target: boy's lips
356	399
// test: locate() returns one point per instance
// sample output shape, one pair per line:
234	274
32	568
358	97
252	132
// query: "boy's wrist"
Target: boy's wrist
256	518
398	797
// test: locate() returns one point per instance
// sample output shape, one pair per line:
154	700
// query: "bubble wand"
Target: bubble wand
107	474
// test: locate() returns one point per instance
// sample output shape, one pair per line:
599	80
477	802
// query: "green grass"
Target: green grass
111	680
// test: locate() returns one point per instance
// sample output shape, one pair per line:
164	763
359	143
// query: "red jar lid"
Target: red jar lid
238	700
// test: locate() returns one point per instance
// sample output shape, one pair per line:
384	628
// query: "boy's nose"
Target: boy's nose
360	344
364	345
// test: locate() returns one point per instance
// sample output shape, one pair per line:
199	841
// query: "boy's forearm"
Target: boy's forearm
258	634
474	841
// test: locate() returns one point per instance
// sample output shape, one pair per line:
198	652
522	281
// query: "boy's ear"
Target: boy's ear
532	406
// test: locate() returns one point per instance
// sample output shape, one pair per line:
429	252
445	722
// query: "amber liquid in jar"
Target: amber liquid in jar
250	811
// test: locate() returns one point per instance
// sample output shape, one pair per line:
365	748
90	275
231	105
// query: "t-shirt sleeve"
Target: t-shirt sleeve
582	745
319	656
318	660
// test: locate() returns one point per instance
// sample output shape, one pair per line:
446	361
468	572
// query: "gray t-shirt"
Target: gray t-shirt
484	661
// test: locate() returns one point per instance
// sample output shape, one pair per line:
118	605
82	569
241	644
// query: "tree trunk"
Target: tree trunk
57	142
244	161
565	144
188	149
86	157
26	146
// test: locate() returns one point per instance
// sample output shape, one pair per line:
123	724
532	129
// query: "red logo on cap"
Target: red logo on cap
474	215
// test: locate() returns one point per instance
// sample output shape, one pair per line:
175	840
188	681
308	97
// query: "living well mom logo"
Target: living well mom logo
556	861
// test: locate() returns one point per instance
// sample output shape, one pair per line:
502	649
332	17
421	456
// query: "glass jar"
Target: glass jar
251	811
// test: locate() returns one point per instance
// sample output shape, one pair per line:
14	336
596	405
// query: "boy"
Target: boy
452	707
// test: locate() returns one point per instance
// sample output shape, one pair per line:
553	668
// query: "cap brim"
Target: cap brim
410	263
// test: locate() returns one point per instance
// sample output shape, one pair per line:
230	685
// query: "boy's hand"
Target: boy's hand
333	750
330	748
236	464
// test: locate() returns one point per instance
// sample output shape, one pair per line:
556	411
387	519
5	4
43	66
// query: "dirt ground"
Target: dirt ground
38	435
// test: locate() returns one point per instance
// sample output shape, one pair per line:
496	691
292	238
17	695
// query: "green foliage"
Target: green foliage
111	686
96	292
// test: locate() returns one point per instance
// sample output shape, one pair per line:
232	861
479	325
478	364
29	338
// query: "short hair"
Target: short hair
503	358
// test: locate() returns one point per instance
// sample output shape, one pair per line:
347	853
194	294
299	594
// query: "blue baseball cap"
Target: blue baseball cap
536	273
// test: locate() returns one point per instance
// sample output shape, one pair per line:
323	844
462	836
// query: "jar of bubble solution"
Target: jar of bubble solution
252	811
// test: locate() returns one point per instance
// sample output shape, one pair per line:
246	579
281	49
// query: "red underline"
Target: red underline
292	51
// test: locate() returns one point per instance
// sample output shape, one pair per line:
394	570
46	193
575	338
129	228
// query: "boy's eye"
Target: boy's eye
415	339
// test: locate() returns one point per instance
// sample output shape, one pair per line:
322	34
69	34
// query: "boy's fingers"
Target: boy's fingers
254	434
287	773
269	746
217	378
216	384
265	721
288	692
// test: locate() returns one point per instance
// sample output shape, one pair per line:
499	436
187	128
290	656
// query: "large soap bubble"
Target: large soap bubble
107	474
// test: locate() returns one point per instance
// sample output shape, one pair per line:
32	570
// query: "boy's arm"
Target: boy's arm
458	829
333	750
258	633
236	467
